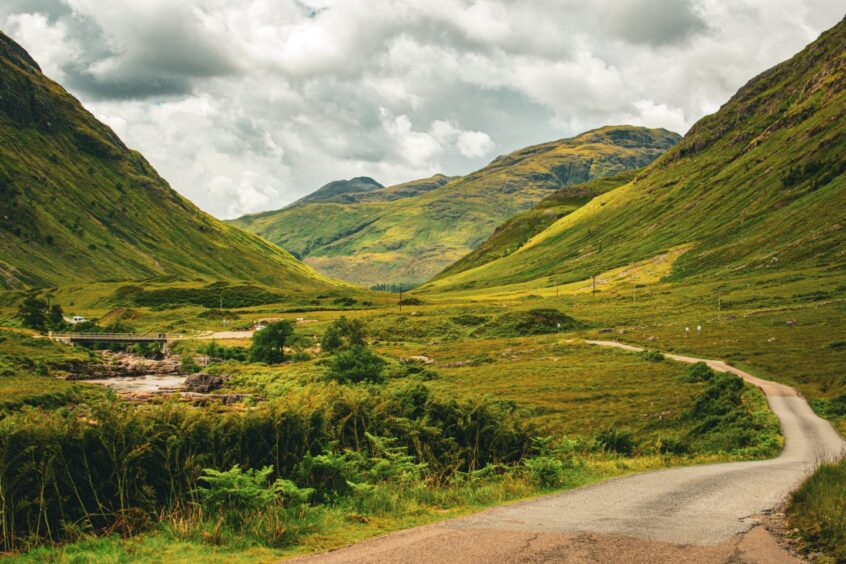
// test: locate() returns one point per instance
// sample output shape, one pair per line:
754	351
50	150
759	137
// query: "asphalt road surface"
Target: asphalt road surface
693	514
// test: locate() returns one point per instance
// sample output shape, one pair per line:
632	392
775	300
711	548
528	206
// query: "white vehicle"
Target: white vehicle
78	319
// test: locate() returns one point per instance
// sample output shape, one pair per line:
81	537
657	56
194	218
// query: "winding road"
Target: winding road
691	514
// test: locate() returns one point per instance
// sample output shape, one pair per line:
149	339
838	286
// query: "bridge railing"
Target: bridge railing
111	336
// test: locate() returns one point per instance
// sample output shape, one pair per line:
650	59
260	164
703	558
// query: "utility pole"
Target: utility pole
594	284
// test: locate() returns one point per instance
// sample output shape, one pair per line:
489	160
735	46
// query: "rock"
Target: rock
204	383
118	364
422	359
607	330
790	322
652	338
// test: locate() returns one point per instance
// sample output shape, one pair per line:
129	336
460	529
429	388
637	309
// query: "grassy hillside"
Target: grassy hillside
409	233
309	224
516	232
76	205
756	187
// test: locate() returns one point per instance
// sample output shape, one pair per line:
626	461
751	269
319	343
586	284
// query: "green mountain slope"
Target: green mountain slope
385	238
77	206
516	232
759	185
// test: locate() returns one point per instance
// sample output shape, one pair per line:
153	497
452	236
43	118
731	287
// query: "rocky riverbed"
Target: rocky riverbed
140	379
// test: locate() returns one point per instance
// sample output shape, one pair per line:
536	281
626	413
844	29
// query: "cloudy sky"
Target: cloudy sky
246	105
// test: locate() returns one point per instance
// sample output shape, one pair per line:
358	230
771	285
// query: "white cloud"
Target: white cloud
250	104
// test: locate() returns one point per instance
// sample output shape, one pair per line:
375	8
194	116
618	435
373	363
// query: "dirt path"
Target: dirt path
692	514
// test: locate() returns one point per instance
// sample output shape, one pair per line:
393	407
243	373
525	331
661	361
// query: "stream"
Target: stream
149	383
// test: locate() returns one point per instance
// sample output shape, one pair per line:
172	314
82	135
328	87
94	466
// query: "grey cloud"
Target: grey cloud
247	105
656	22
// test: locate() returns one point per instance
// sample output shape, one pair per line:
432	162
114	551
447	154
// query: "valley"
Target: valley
624	345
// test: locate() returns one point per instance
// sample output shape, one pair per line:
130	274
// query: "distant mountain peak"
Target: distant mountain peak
338	188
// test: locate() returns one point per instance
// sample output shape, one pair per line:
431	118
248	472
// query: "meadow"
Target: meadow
553	413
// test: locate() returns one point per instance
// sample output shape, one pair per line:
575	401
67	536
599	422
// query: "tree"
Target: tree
33	313
56	317
269	343
343	334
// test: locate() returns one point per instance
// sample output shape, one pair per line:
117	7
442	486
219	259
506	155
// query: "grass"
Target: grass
818	510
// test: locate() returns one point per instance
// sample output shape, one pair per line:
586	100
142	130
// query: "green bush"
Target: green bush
673	445
356	365
723	423
234	492
187	365
652	355
616	440
343	333
218	352
698	372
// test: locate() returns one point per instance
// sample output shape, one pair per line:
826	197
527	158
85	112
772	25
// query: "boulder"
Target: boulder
204	383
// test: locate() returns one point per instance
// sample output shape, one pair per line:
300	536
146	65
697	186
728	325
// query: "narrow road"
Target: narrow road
691	514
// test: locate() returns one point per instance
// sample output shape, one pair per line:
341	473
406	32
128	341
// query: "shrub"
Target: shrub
235	491
188	366
356	365
219	352
652	355
699	372
619	441
673	445
269	343
343	334
147	350
723	423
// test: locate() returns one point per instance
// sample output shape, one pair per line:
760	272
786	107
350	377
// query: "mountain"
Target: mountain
409	233
76	205
340	190
303	228
757	186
